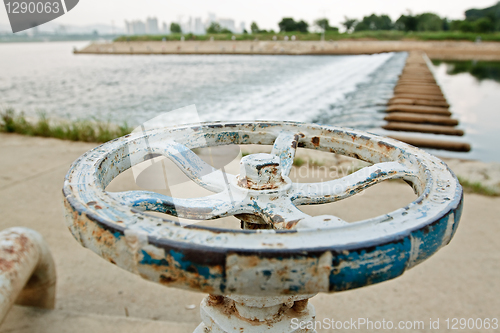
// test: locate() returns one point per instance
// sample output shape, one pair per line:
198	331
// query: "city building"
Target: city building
165	28
135	27
227	23
198	26
152	26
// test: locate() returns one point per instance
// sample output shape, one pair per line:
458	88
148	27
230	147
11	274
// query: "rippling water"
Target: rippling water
48	77
341	90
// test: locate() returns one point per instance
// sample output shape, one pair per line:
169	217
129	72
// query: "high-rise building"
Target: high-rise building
211	18
152	26
135	27
165	28
198	26
227	24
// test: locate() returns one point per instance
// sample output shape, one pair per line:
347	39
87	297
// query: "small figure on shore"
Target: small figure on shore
293	37
286	38
275	38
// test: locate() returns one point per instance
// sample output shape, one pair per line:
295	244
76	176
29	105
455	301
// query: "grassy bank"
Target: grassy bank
478	188
80	130
361	35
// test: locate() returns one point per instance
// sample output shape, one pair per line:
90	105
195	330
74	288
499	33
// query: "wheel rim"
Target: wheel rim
263	262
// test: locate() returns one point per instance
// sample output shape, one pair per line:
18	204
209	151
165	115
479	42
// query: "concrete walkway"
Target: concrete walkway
460	281
450	50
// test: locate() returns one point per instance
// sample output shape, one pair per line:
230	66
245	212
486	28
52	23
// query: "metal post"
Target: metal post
27	270
239	313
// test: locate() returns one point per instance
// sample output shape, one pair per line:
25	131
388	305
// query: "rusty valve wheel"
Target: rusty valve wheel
288	252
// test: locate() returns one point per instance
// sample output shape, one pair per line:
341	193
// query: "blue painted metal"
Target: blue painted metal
301	254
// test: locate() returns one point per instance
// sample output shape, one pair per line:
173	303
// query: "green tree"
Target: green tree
446	24
374	22
406	23
349	24
455	25
302	26
175	28
483	25
254	28
492	13
288	24
429	22
324	24
215	28
466	26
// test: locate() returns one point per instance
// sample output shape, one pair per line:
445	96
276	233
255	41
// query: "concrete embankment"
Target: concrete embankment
446	50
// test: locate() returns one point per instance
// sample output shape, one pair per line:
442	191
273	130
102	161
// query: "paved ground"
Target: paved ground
460	281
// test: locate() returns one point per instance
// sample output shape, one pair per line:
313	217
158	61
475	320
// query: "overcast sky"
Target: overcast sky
265	12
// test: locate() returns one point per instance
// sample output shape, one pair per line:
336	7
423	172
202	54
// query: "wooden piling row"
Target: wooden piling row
419	106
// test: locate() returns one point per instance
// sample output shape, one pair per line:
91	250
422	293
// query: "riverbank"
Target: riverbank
96	296
443	50
79	130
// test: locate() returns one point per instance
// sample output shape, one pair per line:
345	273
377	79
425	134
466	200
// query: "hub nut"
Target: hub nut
260	172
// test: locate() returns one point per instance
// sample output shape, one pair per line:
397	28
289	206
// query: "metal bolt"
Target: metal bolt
260	172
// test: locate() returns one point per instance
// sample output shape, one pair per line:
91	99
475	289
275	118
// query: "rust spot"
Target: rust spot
166	279
300	306
104	237
315	141
386	145
259	167
291	224
278	218
97	207
213	300
5	265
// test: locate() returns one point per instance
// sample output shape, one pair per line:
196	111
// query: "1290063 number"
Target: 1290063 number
471	323
32	7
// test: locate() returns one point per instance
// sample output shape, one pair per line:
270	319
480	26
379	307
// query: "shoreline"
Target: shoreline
439	50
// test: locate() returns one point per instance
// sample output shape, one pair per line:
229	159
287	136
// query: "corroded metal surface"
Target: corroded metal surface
256	314
300	254
27	270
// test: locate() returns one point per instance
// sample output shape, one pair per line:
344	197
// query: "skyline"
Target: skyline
266	14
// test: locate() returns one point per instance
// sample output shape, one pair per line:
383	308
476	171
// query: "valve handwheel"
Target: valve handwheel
287	252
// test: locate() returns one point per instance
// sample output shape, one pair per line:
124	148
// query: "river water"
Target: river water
341	90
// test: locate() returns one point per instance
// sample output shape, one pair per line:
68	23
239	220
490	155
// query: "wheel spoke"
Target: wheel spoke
194	167
320	222
318	193
281	213
285	147
203	208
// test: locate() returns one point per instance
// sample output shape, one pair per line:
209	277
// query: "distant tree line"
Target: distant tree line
476	20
